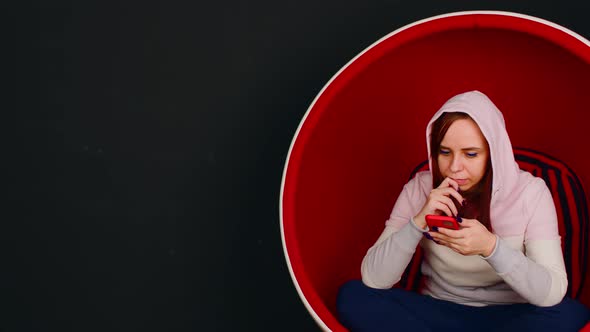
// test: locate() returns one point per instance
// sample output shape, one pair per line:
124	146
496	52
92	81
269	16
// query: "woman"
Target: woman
502	270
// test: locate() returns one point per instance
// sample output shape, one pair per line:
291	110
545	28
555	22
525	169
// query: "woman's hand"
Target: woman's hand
472	239
439	201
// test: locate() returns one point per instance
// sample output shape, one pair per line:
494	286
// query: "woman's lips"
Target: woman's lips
461	181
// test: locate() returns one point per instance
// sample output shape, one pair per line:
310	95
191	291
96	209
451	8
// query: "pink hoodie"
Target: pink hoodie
522	215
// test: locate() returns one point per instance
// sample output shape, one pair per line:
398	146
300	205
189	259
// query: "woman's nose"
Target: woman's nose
456	164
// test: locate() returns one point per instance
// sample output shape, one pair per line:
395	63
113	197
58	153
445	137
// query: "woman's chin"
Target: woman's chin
465	187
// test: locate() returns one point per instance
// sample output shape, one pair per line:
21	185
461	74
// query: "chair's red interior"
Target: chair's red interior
366	131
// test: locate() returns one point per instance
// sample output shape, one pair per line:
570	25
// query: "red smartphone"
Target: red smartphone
433	220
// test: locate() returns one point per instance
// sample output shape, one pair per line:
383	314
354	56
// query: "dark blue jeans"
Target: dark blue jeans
361	308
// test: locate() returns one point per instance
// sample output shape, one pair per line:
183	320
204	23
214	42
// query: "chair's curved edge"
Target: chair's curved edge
302	296
286	248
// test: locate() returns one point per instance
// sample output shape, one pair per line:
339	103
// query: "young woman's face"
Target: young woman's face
463	154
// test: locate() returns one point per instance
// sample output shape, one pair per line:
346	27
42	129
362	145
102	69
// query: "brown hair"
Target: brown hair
477	198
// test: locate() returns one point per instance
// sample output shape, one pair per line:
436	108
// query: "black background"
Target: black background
149	146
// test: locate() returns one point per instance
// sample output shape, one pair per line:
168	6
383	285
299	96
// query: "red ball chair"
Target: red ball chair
364	133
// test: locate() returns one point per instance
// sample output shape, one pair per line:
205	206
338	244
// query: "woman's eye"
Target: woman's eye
471	154
444	152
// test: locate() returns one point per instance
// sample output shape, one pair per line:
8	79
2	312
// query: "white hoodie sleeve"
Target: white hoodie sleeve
539	276
386	260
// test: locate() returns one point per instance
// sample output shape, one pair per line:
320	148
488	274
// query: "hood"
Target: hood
491	123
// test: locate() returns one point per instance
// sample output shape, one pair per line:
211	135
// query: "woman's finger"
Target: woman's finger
448	182
455	248
457	196
449	245
449	202
440	237
449	191
441	198
466	223
451	233
444	208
